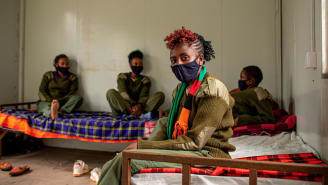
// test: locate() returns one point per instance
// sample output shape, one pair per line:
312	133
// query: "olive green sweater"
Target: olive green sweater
60	89
253	106
210	122
134	90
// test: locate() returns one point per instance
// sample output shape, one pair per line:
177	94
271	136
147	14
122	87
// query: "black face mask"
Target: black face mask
63	70
137	69
242	85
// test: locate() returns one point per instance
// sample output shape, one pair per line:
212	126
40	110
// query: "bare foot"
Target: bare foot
54	109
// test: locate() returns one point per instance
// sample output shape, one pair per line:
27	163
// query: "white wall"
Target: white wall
98	35
324	120
9	12
303	89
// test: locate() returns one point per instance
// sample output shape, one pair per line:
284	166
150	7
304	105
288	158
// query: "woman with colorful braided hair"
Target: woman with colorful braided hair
200	120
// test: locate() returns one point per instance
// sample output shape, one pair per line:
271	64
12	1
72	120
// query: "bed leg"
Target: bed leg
186	174
2	135
126	170
252	176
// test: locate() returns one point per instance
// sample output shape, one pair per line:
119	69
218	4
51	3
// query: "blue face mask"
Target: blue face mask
186	72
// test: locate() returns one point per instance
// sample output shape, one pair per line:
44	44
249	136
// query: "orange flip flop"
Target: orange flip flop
5	166
19	170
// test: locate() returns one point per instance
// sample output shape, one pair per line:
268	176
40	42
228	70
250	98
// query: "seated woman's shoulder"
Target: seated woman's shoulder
145	79
72	76
262	93
212	86
49	74
123	76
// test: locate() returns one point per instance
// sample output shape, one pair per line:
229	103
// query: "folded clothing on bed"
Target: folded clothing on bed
305	158
87	126
285	122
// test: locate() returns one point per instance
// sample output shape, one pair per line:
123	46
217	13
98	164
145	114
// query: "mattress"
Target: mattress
85	126
247	146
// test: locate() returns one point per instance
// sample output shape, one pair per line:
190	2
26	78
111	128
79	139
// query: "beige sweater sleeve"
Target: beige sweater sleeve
208	118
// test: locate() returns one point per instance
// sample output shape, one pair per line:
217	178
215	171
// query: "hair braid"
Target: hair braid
208	50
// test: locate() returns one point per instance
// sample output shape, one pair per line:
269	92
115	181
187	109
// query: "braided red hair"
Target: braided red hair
180	36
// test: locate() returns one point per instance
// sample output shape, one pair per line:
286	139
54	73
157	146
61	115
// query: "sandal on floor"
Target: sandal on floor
5	166
19	170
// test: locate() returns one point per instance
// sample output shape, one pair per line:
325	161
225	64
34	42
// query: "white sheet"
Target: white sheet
247	146
284	143
176	179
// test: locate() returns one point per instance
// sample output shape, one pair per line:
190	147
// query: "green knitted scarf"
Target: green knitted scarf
176	101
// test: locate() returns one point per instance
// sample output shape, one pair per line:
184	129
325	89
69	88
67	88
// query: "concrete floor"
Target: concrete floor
53	166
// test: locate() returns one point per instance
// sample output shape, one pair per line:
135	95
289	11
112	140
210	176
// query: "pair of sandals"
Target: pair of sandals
5	166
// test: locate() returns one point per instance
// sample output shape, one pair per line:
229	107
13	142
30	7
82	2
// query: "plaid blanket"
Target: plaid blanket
307	158
90	125
284	123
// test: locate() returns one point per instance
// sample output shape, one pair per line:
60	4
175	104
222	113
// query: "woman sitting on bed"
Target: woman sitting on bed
58	90
253	104
200	120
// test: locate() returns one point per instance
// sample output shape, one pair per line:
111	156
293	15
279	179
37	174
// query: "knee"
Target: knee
110	93
162	121
160	95
77	97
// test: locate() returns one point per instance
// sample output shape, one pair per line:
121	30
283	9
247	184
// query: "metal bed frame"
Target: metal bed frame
4	131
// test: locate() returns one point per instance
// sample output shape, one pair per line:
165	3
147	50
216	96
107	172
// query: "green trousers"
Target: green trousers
112	170
73	103
119	105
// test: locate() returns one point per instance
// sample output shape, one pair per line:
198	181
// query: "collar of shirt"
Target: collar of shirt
56	76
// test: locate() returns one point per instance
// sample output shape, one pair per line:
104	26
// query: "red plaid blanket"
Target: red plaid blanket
284	123
307	158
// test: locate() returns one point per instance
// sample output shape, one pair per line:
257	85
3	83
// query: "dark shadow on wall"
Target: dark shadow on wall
147	64
74	68
82	93
73	65
288	101
150	67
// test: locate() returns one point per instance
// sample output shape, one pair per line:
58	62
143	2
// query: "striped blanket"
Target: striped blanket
88	126
284	123
306	158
